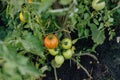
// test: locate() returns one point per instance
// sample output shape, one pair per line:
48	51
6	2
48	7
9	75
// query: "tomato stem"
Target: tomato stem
55	73
81	66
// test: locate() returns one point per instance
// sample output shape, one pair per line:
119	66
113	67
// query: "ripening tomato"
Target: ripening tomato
51	41
66	43
21	17
97	5
24	16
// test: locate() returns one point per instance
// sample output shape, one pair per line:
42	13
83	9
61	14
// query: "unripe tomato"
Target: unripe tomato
98	5
53	52
54	64
68	54
51	41
59	59
66	43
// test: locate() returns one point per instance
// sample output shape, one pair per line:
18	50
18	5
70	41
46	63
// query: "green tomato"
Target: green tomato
53	52
98	5
54	64
68	54
59	59
66	43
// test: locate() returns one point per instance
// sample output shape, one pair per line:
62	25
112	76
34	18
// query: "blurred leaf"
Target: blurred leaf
80	31
27	69
14	6
32	44
58	12
65	2
118	11
101	26
8	68
112	34
15	62
86	15
86	33
96	21
98	36
110	19
42	6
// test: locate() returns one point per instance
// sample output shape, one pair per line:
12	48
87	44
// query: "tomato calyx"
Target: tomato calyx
50	37
65	43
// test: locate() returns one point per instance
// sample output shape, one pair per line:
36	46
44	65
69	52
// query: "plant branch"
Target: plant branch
55	73
117	7
88	54
86	71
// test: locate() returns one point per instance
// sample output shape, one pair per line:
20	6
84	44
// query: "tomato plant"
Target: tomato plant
30	29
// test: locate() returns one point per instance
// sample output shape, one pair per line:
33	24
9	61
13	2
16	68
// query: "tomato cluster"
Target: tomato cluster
60	51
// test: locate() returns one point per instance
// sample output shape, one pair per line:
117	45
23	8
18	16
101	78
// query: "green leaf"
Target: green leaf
65	2
118	11
28	69
110	19
80	31
111	34
19	63
86	16
98	36
14	7
101	26
42	6
32	44
96	21
86	33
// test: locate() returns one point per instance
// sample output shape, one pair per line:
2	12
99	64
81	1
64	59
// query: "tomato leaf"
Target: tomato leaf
32	44
42	6
19	63
65	2
80	31
98	36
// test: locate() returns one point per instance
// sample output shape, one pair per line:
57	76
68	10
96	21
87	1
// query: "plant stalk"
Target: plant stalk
55	74
86	71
